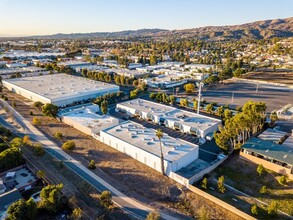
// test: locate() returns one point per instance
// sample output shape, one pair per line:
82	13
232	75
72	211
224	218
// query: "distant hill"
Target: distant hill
255	30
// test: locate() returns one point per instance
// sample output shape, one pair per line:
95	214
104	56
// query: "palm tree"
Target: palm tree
159	134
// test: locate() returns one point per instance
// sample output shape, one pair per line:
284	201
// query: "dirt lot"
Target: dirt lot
128	175
242	175
273	77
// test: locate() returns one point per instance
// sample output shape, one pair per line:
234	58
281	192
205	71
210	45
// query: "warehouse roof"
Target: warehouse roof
272	135
191	119
147	106
60	86
146	139
282	153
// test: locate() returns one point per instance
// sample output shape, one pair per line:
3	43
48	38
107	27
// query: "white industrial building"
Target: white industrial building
59	89
186	122
86	119
143	145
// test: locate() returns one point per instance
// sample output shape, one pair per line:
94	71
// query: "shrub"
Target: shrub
263	190
36	121
3	147
92	165
221	187
106	199
68	145
58	135
260	169
153	215
254	210
283	180
16	142
10	158
204	183
31	113
50	110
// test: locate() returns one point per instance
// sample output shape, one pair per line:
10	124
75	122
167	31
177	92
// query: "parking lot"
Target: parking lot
207	152
238	92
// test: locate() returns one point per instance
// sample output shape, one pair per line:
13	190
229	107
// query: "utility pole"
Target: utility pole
199	85
256	87
232	97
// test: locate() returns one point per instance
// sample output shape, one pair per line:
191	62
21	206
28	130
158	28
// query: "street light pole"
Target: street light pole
199	85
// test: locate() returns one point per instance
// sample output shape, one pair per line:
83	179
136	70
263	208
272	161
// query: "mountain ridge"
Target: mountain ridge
263	29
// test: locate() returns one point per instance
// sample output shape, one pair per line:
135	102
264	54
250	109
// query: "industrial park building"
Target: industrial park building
143	145
59	89
86	119
186	122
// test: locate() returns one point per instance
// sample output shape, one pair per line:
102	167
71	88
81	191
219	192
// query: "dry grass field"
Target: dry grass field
272	77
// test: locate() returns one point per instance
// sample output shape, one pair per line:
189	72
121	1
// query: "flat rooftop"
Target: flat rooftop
146	139
148	106
60	86
87	116
272	135
191	119
288	142
282	153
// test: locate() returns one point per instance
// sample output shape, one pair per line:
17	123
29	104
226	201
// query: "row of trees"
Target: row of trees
163	98
240	127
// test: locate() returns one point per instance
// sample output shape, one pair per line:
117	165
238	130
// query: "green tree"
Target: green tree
26	140
172	99
204	183
260	169
153	96
133	94
274	118
153	60
153	215
51	198
159	135
283	180
221	186
227	114
69	145
106	199
220	111
92	165
104	107
195	104
16	142
263	190
22	210
76	214
209	108
10	158
183	102
189	87
38	105
50	110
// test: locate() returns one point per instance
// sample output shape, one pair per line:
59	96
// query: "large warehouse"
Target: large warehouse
143	145
187	122
86	119
59	89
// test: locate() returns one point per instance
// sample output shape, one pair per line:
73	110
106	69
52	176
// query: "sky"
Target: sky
40	17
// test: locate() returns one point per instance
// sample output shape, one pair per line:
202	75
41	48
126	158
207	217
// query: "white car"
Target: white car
36	196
